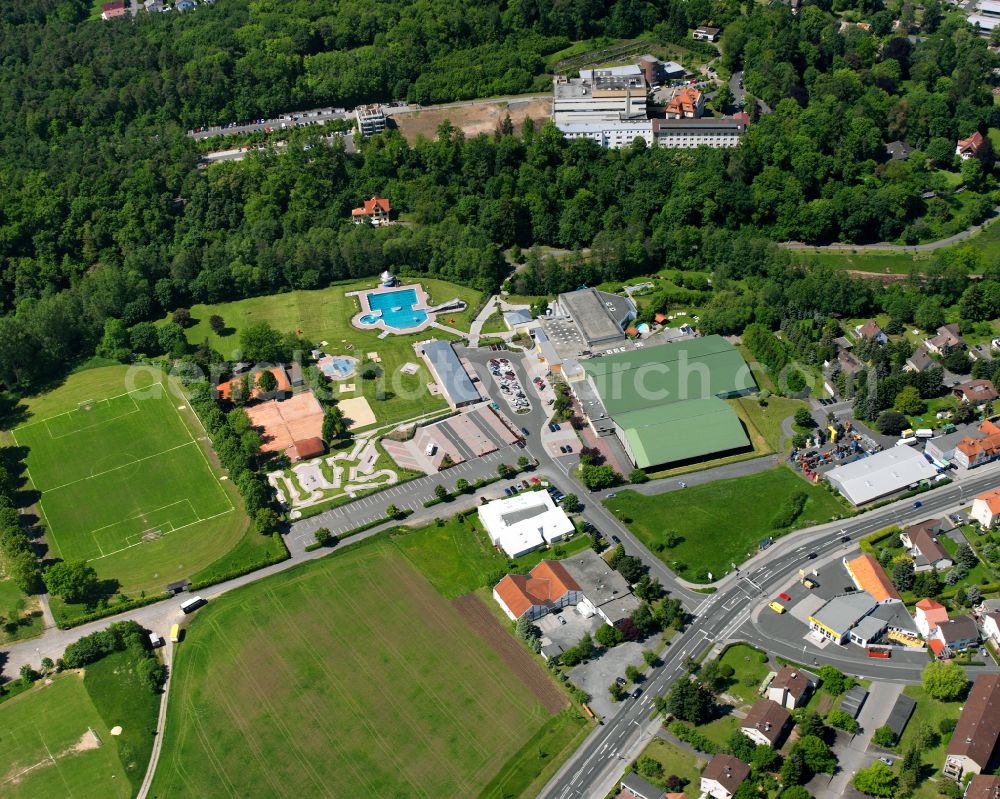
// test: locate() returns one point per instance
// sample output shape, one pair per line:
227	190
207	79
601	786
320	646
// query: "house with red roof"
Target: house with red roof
376	211
927	615
969	147
114	9
545	588
986	508
685	103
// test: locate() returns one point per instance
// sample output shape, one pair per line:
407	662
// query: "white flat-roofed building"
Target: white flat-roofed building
524	522
988	7
983	22
705	132
607	106
881	474
613	135
371	119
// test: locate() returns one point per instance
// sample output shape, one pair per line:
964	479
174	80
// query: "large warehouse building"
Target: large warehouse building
881	474
666	402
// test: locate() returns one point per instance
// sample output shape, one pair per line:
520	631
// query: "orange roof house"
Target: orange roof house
545	588
969	147
929	614
870	577
660	318
227	389
376	211
970	452
305	448
686	103
986	507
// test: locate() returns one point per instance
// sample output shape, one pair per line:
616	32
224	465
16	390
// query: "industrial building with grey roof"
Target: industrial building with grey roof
444	363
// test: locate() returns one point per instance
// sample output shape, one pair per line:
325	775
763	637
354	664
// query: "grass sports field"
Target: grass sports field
125	483
719	523
48	748
349	676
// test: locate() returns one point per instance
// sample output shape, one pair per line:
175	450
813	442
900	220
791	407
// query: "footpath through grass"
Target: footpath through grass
703	529
358	673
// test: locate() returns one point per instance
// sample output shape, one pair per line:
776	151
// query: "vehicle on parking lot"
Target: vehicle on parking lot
777	607
525	431
785	596
612	495
620	680
809	584
535	480
562	620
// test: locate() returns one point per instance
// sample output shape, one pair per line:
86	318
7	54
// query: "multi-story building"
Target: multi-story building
685	103
976	741
605	105
705	132
371	119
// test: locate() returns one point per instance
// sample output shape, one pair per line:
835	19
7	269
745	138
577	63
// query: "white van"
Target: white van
431	449
924	432
193	604
909	441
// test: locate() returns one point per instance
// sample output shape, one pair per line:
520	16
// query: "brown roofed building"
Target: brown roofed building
924	547
790	687
376	211
685	103
306	448
723	775
112	10
546	588
973	746
975	392
969	147
919	361
870	330
946	339
766	723
983	786
870	577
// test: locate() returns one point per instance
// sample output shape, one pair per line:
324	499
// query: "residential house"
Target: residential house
723	775
766	723
870	330
919	361
849	363
983	786
112	10
980	448
869	576
790	688
898	150
705	34
988	606
975	392
923	546
371	119
986	508
376	211
991	626
635	787
929	614
970	146
973	746
955	635
945	340
685	103
546	588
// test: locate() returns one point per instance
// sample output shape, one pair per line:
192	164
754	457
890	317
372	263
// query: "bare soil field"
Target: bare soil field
482	117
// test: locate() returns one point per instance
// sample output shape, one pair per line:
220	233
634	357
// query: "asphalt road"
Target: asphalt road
725	615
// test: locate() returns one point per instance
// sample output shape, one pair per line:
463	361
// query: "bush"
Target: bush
790	510
842	721
883	736
691	736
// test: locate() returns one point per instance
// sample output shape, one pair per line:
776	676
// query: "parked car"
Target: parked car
785	596
615	539
620	680
525	431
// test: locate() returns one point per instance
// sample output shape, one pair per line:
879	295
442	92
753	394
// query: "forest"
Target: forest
105	215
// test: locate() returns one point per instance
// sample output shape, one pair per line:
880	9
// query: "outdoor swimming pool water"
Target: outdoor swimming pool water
396	309
369	319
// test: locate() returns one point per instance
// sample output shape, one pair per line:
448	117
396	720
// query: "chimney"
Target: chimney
795	674
729	771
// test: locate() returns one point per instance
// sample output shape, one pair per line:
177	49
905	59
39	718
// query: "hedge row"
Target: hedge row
239	571
112	610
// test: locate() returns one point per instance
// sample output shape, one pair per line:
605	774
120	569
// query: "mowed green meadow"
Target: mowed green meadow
125	481
348	676
46	750
325	315
719	523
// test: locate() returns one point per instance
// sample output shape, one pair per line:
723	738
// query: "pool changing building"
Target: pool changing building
449	373
666	403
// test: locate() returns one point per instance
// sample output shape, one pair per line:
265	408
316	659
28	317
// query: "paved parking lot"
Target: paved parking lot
566	634
510	387
595	676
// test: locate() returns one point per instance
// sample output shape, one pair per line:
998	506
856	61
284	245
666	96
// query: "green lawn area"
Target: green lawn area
882	262
457	556
124	699
126	483
325	315
721	729
719	523
767	420
928	711
347	676
20	615
48	751
750	671
495	324
677	761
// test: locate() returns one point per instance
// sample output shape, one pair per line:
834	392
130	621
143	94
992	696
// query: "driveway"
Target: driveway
595	676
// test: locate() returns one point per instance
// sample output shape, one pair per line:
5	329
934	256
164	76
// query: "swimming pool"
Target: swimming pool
369	319
395	308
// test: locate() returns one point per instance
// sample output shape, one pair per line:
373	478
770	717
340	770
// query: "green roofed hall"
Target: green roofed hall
666	402
702	367
681	431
